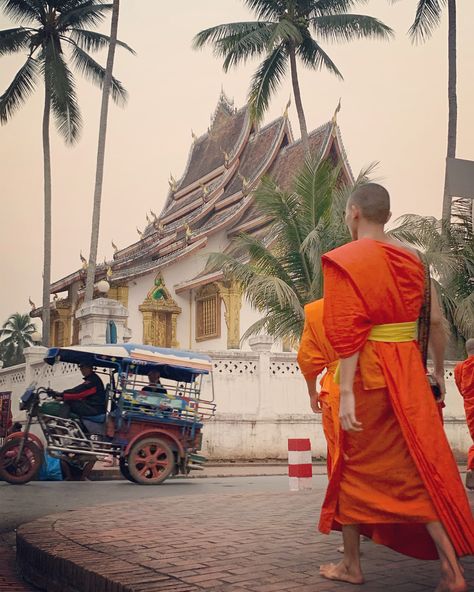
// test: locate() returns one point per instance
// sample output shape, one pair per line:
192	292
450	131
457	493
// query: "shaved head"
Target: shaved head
470	346
373	202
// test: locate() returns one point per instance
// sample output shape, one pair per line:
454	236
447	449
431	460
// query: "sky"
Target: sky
394	112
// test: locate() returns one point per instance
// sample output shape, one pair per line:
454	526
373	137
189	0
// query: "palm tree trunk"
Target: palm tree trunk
47	217
99	176
298	102
453	104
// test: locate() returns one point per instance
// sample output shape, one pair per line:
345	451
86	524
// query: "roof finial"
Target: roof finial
172	183
155	217
205	189
139	232
193	135
147	218
84	260
288	105
334	117
114	247
32	304
226	158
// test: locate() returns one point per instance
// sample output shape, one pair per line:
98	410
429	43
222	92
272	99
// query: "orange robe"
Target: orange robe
398	473
464	376
316	354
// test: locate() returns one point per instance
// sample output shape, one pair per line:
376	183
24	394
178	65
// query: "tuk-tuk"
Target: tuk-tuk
154	435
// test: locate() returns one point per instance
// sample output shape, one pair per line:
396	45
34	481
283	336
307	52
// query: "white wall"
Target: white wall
261	402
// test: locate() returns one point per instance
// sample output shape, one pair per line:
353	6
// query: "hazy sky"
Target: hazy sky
394	110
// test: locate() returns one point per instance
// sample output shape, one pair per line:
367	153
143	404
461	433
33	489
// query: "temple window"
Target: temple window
208	313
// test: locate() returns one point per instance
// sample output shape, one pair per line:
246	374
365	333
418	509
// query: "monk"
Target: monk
395	479
464	377
315	355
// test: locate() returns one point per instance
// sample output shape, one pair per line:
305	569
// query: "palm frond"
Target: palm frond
93	41
60	84
237	49
19	90
267	9
266	81
327	7
12	40
313	56
427	18
347	27
93	71
285	32
89	14
251	34
21	11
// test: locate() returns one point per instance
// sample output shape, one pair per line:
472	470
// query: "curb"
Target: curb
61	565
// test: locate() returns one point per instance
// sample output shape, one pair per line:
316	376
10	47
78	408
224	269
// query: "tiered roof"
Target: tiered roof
215	191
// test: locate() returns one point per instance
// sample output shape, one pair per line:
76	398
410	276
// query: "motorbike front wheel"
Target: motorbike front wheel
19	471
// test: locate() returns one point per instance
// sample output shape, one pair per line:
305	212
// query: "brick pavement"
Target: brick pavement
242	543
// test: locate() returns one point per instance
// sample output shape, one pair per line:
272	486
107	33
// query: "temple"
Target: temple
161	278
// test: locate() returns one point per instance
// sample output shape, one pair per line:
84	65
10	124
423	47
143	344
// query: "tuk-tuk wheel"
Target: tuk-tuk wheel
123	466
150	461
26	469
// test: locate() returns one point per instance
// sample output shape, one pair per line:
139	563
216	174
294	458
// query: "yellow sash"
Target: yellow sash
389	333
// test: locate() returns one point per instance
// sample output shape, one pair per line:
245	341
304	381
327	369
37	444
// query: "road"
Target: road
21	504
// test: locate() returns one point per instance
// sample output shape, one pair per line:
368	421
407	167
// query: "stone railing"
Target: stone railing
261	401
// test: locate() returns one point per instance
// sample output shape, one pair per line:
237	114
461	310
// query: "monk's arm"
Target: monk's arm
438	339
347	415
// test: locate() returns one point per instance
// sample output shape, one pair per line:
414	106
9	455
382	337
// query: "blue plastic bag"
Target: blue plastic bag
50	469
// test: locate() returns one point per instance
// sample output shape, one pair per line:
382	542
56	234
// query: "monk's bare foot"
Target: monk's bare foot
458	585
342	573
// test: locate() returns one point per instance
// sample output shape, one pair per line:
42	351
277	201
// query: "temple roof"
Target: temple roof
224	166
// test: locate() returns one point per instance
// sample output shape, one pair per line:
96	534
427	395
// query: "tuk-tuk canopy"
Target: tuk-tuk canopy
173	364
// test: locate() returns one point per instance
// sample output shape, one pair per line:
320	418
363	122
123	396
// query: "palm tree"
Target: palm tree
15	335
427	18
108	78
47	29
282	272
449	250
281	34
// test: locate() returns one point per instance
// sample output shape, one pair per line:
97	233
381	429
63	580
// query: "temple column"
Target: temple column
231	294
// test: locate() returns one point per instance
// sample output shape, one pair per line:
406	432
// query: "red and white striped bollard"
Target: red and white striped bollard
300	466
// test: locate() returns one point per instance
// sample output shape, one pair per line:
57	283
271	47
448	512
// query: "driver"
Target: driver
85	399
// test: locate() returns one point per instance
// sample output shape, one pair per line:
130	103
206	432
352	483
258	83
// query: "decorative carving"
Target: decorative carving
231	294
84	260
160	314
173	183
114	246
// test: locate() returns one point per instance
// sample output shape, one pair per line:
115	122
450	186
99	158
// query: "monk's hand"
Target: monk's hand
315	402
347	415
439	376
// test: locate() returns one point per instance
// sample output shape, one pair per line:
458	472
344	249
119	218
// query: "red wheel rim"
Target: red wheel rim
26	467
151	460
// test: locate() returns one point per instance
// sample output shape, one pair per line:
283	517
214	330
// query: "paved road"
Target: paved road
21	504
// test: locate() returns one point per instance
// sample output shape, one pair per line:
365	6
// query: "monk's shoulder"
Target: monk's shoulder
313	309
351	252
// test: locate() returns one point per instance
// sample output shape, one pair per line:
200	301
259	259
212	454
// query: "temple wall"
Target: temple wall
176	273
261	402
